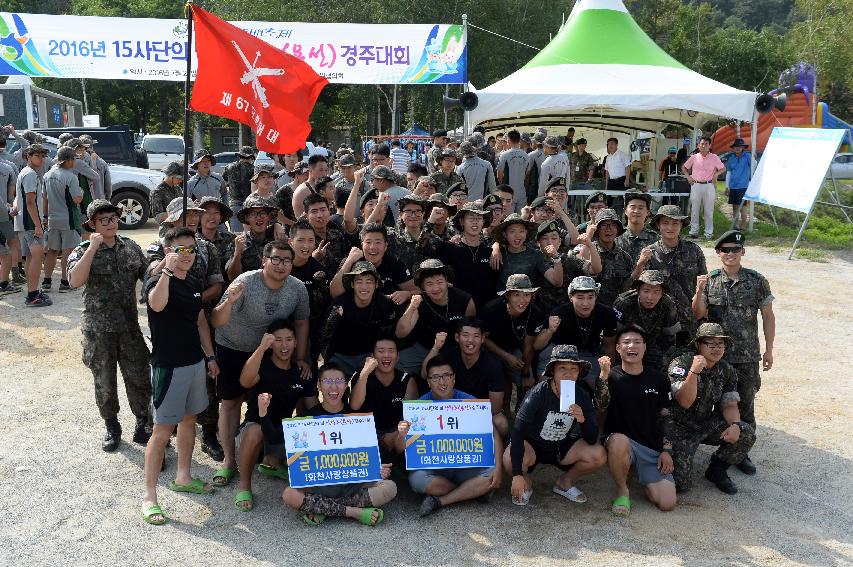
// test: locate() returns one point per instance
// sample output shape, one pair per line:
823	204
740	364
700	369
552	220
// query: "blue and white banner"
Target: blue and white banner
331	450
449	434
43	45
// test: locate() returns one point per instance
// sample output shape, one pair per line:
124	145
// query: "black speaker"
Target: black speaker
767	102
466	101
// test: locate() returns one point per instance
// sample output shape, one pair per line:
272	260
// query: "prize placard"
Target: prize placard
449	434
331	450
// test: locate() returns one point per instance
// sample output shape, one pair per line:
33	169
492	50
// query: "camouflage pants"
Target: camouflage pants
334	507
748	384
102	354
686	440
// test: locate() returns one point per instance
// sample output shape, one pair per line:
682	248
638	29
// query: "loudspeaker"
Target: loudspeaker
466	101
767	102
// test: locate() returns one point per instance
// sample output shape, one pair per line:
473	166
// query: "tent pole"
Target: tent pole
187	82
752	165
466	115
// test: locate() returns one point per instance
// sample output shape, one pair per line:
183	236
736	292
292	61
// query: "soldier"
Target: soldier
616	264
445	174
439	142
310	271
346	169
548	234
534	164
215	213
63	194
95	162
9	250
91	184
333	244
263	181
168	189
403	239
238	176
285	163
680	261
284	194
245	254
733	296
511	169
31	220
637	236
382	179
555	165
110	265
705	410
477	173
648	306
206	183
439	209
581	166
514	233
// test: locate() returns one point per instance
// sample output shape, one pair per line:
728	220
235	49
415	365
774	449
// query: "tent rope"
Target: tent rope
470	25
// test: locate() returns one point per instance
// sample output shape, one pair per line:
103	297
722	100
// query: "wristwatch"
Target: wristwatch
168	272
209	358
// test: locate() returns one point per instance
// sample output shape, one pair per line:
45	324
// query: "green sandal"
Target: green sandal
318	519
224	473
622	502
366	516
150	512
274	472
244	496
197	486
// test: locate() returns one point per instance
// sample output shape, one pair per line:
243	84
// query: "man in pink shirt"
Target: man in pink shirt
702	170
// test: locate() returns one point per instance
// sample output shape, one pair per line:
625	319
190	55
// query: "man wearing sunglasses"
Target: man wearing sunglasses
732	296
110	265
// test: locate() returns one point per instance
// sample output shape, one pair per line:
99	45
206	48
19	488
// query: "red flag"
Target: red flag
248	80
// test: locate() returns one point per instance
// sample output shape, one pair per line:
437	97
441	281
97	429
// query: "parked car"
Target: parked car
222	161
842	166
115	143
264	159
162	149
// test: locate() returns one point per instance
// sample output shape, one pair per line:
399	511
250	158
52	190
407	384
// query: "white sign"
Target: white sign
92	120
449	434
567	394
43	45
793	167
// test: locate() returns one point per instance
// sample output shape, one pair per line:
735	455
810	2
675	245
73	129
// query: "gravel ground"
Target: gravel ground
66	502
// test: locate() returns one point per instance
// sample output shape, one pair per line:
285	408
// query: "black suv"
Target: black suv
115	143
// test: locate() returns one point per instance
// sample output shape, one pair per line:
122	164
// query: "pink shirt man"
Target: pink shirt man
704	169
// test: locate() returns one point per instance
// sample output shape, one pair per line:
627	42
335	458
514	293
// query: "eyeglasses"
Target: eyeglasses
440	377
714	344
730	250
333	381
413	212
256	214
276	260
496	209
107	221
181	250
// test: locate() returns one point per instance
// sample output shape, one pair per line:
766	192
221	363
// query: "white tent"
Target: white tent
603	72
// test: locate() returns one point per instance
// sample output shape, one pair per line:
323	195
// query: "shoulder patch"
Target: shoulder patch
153	247
715	272
678	371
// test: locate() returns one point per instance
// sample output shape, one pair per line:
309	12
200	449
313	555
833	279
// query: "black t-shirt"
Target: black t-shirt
392	273
285	387
305	273
509	333
471	269
434	318
635	405
584	333
485	376
174	330
320	411
359	327
385	402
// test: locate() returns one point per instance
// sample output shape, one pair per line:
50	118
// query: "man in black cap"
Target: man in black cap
739	167
594	203
581	166
445	175
733	296
238	175
439	142
206	183
345	173
636	236
168	189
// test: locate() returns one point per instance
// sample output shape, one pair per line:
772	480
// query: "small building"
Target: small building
26	106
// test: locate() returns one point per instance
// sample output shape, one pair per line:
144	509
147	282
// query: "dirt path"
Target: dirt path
67	502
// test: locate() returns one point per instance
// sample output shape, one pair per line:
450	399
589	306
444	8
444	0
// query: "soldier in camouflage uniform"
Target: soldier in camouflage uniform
581	166
616	265
550	296
403	239
110	265
206	276
733	296
636	236
215	213
247	250
705	410
442	227
238	176
345	173
439	142
680	261
445	175
648	306
166	191
333	244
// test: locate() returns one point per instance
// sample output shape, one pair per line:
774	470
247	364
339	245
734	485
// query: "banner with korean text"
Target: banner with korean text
331	450
43	45
449	434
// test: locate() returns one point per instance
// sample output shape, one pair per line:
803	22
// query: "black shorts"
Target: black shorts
736	196
231	364
553	457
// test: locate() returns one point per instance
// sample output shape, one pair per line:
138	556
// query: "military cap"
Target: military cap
538	202
440	200
608	215
75	143
546	227
458	187
730	237
96	207
556	182
255	201
474	207
566	353
711	330
651	277
359	268
200	155
432	267
174	169
64	137
467	149
175	209
632	194
263	168
584	283
580	141
519	282
347	160
439	134
411	199
383	172
246	152
224	209
514	218
599	197
491	200
65	154
368	195
552	141
34	149
88	140
669	211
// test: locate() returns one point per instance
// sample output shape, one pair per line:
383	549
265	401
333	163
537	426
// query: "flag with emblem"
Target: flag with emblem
248	80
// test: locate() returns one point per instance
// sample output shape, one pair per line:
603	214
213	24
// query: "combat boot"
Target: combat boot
210	444
113	436
716	473
746	466
142	432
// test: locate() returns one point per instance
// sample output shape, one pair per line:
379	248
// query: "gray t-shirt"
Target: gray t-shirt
395	194
211	185
529	261
258	307
29	181
55	182
479	177
513	164
7	176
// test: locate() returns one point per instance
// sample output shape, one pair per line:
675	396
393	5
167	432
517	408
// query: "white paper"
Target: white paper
567	395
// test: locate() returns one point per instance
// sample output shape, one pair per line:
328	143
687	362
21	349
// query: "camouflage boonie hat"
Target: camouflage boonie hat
174	169
382	172
200	155
299	168
246	152
255	201
347	160
477	140
546	227
34	149
359	268
474	207
467	149
567	353
519	282
432	267
526	138
440	200
540	135
64	137
411	200
224	209
584	283
552	141
74	143
65	154
32	137
711	330
446	153
651	277
88	140
96	207
263	168
175	209
608	215
669	211
514	218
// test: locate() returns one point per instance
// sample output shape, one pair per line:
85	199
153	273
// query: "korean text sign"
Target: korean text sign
449	434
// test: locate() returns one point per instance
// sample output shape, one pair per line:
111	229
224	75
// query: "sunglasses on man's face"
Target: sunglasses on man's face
730	249
181	250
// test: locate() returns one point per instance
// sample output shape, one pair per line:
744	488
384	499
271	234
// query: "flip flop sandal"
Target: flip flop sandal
366	516
197	486
525	498
274	472
244	496
621	502
318	519
224	473
149	513
574	494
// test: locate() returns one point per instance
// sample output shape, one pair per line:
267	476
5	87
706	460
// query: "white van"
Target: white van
162	149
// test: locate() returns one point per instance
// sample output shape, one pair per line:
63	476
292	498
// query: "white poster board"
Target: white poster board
793	167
